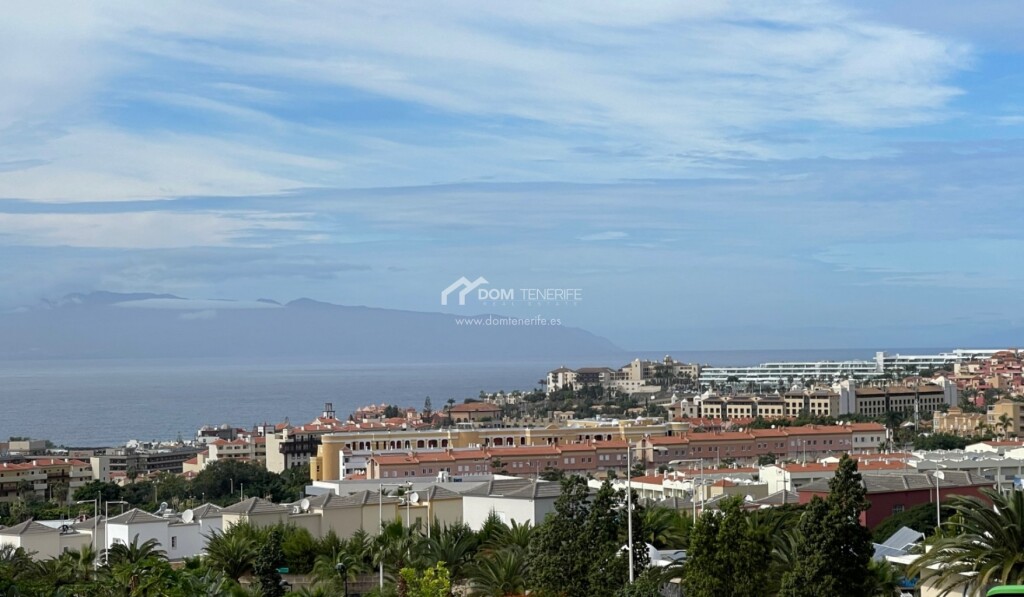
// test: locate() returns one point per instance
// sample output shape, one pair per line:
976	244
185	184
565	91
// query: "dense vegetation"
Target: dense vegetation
221	482
585	535
819	549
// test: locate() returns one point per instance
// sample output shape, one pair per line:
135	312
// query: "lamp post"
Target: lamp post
693	498
343	571
629	505
106	528
95	518
939	476
380	520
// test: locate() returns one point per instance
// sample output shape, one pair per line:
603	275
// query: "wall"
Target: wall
190	540
476	509
126	533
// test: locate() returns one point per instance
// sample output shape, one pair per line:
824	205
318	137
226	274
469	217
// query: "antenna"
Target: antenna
188	516
304	505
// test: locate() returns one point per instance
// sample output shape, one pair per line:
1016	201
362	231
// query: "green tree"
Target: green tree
432	582
397	547
578	549
499	574
833	549
107	492
269	557
454	546
231	552
727	555
558	556
921	518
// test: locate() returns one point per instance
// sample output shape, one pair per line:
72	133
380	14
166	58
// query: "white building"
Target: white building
181	536
511	500
44	541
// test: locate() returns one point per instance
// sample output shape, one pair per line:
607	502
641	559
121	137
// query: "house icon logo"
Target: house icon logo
464	286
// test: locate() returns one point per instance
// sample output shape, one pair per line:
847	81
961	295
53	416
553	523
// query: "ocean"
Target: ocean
80	403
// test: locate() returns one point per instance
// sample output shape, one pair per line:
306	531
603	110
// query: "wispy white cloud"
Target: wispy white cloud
692	86
146	230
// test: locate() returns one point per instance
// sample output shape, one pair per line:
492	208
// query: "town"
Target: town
680	438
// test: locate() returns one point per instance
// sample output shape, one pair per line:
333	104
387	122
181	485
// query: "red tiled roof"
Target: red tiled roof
475	407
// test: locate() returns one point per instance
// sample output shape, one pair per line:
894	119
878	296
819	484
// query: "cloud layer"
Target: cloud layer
744	162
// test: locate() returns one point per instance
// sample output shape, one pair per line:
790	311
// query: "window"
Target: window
174	543
897	508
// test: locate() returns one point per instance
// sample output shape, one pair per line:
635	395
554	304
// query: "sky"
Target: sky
713	175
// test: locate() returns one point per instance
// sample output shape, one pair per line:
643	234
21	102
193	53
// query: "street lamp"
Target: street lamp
693	484
629	504
95	518
343	571
380	519
106	528
939	476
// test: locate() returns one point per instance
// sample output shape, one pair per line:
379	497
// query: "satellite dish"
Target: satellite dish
414	498
188	516
304	504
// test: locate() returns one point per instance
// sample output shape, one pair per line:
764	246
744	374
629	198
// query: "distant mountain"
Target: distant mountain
142	325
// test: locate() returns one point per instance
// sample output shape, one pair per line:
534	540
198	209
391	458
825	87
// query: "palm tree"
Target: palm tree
137	569
664	527
396	547
135	553
331	572
1005	422
514	536
231	553
454	545
885	579
982	543
205	582
499	574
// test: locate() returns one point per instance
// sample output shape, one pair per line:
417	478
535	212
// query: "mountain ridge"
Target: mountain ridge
157	325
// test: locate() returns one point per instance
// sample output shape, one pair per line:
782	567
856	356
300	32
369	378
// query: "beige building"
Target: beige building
1013	412
956	422
44	541
250	448
16	479
353	448
474	412
876	401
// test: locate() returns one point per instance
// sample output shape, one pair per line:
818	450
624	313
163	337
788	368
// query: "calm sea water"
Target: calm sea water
93	403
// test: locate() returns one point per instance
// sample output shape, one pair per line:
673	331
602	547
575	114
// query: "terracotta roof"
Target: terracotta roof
729	436
818	430
524	451
475	407
577	447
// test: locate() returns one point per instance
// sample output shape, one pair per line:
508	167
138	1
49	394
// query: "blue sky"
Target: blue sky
711	175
